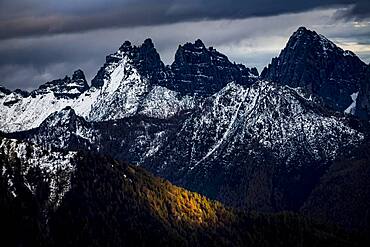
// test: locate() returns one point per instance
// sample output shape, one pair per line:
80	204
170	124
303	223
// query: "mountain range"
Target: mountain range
293	138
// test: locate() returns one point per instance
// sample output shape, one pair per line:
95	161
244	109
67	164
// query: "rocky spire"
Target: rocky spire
204	71
144	58
148	62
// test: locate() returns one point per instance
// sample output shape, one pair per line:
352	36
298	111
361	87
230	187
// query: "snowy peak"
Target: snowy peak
78	77
126	47
313	62
61	118
111	63
149	64
129	83
65	88
145	59
63	129
134	81
121	93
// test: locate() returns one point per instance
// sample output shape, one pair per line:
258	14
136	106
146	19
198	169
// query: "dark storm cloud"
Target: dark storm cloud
22	18
358	11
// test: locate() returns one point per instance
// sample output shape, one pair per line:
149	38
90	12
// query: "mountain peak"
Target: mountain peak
196	46
148	43
204	71
65	88
199	43
313	62
302	29
78	74
22	92
144	58
66	117
311	38
4	91
126	46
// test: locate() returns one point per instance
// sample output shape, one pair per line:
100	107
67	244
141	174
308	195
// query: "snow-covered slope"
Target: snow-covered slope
164	103
272	116
33	163
131	139
124	92
18	113
65	130
241	131
121	94
222	144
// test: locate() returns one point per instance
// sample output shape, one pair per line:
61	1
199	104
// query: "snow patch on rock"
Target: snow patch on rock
352	107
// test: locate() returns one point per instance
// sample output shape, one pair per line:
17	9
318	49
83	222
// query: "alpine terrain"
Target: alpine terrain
282	155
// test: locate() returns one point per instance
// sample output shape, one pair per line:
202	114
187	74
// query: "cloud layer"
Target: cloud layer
24	18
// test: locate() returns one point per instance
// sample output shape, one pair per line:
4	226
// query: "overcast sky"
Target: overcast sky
41	40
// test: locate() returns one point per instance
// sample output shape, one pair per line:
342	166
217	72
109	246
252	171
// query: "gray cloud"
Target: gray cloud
357	11
24	18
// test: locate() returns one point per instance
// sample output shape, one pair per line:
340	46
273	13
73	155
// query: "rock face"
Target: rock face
129	139
311	61
362	104
65	130
65	88
4	91
144	58
201	70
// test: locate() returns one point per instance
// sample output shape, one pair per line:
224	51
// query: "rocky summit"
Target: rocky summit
204	71
312	61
